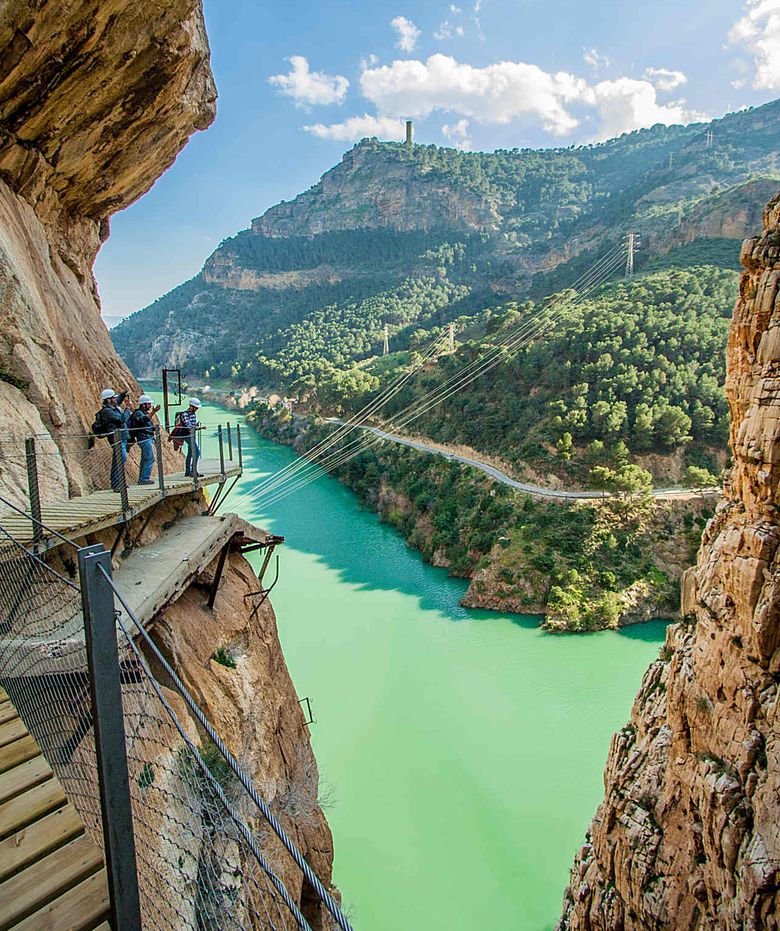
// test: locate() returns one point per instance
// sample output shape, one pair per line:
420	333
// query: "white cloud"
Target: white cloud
505	91
495	94
458	134
759	32
358	127
448	30
455	9
408	33
594	58
310	88
627	104
664	79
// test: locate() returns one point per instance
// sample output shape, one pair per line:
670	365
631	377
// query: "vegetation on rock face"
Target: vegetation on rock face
585	565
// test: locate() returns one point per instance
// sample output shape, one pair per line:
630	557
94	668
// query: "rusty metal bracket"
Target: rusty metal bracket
134	543
263	592
310	719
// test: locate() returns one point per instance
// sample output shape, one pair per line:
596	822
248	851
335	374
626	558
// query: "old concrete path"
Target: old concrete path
536	490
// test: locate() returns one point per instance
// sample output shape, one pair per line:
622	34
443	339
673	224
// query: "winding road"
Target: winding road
537	490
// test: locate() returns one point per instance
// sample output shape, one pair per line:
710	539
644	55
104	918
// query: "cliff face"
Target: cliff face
96	99
370	190
255	709
688	835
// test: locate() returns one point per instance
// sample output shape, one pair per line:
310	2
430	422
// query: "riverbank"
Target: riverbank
584	565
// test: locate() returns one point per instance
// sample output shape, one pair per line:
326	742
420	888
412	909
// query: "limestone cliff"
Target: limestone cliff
96	100
374	189
688	835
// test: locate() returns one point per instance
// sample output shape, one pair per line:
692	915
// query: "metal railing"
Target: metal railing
46	468
188	840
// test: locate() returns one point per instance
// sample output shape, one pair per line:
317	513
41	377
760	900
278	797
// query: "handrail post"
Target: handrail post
34	490
97	601
221	452
230	442
238	443
118	473
159	452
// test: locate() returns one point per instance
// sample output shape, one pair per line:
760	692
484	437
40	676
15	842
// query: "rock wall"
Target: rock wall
254	708
688	835
373	189
96	100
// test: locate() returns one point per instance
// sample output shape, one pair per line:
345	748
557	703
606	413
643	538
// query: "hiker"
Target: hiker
142	428
187	422
109	418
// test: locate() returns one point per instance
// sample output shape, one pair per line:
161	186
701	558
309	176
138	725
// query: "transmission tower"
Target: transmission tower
671	157
710	138
451	338
386	347
632	245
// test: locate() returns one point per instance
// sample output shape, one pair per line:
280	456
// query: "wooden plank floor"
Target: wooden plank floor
52	876
76	517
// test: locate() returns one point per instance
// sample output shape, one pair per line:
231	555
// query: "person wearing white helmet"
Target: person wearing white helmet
142	429
110	418
188	420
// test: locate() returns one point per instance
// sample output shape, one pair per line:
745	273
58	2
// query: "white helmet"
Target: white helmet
193	402
144	399
107	394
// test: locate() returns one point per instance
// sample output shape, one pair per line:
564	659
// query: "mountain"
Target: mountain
413	237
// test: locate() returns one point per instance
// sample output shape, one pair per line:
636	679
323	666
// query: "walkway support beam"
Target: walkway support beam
34	490
97	601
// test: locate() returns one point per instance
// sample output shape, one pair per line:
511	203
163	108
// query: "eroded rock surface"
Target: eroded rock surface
96	99
688	835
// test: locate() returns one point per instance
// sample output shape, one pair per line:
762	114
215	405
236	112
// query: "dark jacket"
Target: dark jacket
141	426
114	418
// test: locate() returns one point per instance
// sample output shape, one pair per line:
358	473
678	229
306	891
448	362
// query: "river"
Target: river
463	749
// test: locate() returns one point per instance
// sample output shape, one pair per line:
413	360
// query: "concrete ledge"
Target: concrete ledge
153	576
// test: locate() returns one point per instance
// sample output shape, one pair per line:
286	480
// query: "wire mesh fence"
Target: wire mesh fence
210	854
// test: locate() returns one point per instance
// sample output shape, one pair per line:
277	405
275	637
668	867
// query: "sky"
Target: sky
300	82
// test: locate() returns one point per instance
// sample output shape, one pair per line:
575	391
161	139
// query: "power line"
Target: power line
632	244
520	336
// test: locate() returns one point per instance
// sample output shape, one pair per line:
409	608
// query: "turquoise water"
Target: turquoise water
464	749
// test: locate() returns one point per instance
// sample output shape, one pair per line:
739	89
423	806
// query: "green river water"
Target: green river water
464	749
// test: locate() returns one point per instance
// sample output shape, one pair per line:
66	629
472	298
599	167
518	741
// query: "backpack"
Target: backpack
99	426
179	432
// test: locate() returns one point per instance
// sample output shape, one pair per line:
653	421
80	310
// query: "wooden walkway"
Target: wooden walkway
52	875
76	517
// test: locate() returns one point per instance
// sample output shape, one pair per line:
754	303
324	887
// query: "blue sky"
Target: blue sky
300	81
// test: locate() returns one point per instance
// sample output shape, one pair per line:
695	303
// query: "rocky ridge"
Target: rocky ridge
373	189
529	221
688	834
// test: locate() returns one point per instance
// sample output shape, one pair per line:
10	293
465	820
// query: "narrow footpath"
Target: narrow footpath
537	490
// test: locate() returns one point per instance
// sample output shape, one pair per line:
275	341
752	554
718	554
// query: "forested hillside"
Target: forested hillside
638	367
413	238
